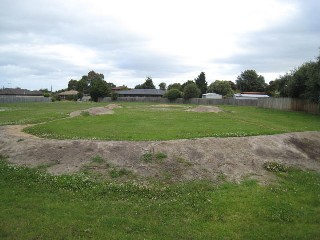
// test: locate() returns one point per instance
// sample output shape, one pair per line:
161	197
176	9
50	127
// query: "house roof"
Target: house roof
68	93
19	91
154	92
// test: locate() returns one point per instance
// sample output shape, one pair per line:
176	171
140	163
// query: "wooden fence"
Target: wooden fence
289	104
200	101
23	99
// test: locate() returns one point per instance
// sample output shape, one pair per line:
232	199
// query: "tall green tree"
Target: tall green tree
163	86
73	84
99	89
221	87
201	83
250	81
191	91
174	86
148	84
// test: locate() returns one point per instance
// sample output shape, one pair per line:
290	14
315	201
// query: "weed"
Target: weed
20	139
114	173
150	157
85	114
183	161
275	167
147	157
160	156
97	159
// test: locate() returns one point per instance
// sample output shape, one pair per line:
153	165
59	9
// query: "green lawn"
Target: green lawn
38	206
27	113
141	121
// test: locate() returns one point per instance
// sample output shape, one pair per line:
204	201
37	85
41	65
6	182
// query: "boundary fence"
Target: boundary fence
23	99
287	104
200	101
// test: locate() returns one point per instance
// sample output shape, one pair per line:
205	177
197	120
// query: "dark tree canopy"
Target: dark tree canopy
174	86
186	83
221	87
201	82
163	86
250	81
302	82
99	89
148	84
73	85
191	91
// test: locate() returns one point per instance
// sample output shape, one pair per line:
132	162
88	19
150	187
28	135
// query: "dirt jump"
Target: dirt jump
232	158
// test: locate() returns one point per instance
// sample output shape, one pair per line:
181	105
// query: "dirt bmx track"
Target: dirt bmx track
207	158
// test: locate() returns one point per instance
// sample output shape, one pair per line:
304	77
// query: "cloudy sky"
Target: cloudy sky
46	43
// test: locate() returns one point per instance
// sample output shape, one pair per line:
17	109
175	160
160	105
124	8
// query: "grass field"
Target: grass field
38	206
141	121
35	205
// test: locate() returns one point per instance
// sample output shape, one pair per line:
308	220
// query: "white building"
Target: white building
212	96
249	96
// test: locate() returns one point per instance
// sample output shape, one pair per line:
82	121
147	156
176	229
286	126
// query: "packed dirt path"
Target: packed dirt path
232	158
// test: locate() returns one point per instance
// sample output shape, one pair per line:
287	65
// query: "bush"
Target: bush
173	94
114	96
191	91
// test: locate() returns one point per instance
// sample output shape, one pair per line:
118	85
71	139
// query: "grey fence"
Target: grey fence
23	99
200	101
289	104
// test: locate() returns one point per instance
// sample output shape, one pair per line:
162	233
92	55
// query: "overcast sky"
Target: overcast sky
49	42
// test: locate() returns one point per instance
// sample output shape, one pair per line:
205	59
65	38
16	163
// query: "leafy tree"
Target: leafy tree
250	81
173	94
201	83
73	84
186	83
174	86
99	89
221	87
163	86
233	85
148	84
191	91
83	85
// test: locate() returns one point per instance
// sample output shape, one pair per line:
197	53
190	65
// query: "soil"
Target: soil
97	110
211	159
205	109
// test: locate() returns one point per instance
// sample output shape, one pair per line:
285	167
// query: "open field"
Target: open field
142	121
205	188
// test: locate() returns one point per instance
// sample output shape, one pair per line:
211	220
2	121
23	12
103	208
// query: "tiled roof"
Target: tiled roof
155	92
19	91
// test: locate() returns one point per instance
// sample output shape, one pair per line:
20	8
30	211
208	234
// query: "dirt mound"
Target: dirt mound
207	158
97	110
200	108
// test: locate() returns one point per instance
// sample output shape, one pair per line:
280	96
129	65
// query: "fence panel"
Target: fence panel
23	99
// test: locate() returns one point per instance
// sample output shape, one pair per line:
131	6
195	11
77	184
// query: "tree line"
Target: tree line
302	82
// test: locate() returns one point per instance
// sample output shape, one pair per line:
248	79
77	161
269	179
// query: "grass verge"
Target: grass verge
35	205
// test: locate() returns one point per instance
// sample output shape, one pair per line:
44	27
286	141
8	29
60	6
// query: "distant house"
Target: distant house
20	92
68	94
250	95
141	93
212	96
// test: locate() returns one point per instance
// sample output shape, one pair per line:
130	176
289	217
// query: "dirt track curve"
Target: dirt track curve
206	158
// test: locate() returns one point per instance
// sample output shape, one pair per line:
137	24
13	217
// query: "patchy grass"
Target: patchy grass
27	113
146	122
36	205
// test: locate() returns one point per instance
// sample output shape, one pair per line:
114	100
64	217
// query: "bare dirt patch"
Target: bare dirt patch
97	110
208	158
200	108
